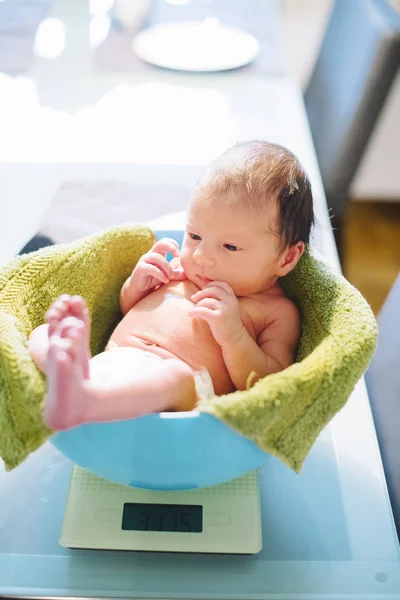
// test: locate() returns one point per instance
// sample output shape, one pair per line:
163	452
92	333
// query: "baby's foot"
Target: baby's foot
66	364
71	306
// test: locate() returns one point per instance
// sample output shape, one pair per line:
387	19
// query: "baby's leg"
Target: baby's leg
73	399
38	346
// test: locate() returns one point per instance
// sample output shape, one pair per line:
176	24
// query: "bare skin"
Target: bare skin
72	398
217	305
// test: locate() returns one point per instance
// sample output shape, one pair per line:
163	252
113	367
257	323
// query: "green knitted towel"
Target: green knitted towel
283	413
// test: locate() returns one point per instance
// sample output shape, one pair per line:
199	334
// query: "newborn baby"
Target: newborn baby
212	320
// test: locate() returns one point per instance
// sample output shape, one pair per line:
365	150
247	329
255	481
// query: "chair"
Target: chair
356	66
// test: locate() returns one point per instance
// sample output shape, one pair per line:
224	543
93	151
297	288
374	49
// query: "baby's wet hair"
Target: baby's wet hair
256	172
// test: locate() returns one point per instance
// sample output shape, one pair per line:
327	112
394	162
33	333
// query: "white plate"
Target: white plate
196	46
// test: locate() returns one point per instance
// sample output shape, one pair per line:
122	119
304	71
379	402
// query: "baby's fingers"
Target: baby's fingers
208	292
158	261
166	245
201	313
220	285
157	273
178	274
209	303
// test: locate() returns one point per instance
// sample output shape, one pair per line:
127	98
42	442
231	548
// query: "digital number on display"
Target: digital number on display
186	518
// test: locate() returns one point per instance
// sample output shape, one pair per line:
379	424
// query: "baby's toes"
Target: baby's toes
58	310
72	330
71	327
79	308
61	305
60	350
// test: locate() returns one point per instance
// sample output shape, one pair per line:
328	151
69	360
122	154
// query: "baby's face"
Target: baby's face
228	244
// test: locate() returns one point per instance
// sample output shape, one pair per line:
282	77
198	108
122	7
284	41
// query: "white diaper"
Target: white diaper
118	363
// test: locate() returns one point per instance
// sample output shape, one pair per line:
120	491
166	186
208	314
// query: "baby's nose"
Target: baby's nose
203	258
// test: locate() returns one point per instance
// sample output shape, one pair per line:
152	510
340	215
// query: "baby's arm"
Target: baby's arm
275	347
130	295
279	340
274	350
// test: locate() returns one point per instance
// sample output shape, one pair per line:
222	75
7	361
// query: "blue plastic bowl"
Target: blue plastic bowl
167	451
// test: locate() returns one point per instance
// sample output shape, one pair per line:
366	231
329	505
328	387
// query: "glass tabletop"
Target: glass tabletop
326	531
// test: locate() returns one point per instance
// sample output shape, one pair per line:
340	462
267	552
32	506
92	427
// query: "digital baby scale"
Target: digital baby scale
222	519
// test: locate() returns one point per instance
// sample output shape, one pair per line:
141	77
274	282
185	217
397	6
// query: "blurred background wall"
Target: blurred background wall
371	236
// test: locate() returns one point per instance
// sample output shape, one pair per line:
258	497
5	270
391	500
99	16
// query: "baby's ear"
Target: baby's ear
290	258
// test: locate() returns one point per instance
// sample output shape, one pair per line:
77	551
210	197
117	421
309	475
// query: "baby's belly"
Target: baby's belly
160	323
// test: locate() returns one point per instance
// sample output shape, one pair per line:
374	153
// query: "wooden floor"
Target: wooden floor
371	248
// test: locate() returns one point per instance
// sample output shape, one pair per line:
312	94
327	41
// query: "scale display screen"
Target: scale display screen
185	518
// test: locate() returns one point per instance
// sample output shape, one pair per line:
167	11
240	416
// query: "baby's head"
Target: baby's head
249	218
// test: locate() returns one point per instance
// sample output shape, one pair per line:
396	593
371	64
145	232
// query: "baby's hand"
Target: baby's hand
217	304
153	268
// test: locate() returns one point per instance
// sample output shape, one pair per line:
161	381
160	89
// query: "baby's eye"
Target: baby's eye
194	236
231	247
